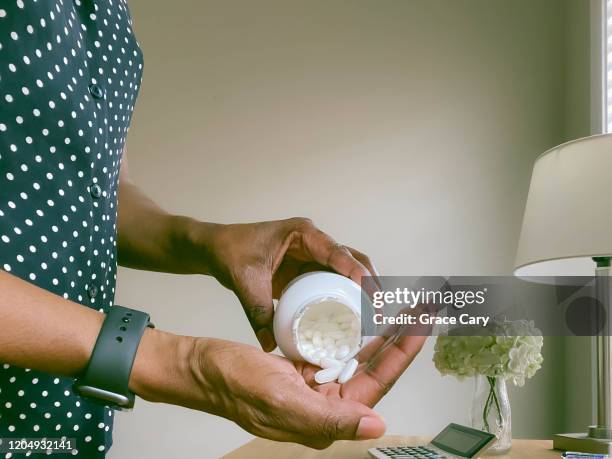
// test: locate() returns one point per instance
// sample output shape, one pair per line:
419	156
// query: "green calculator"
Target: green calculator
454	442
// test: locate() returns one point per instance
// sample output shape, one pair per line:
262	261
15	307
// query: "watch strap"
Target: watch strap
107	374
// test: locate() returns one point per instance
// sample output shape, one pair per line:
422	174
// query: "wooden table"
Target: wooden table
260	449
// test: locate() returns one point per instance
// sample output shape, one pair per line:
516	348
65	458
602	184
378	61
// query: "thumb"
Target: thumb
255	294
350	420
370	427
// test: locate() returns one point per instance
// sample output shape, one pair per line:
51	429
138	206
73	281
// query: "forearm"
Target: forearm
43	331
152	239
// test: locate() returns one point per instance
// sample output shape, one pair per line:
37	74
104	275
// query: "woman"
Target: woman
70	72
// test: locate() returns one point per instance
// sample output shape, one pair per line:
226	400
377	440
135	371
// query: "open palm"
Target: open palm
273	397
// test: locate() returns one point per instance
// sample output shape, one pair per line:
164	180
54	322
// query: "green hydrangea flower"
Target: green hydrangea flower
513	352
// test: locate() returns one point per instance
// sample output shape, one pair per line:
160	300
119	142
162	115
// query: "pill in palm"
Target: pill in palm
348	371
328	374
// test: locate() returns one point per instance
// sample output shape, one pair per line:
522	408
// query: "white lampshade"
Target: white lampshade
568	215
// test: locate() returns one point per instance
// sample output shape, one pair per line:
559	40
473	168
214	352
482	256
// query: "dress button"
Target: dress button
95	191
96	91
92	292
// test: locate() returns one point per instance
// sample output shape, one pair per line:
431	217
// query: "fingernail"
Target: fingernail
266	339
370	427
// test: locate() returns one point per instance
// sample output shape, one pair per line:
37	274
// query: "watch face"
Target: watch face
104	397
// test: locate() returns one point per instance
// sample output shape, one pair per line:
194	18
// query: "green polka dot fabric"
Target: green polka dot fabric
70	72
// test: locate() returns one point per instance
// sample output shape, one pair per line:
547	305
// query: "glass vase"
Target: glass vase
491	411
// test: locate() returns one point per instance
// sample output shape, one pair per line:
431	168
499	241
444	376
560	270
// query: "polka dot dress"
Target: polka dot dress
70	72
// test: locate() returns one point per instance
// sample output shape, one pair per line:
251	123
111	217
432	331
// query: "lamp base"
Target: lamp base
581	442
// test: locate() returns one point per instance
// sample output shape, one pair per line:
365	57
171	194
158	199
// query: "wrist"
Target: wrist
163	370
194	241
160	359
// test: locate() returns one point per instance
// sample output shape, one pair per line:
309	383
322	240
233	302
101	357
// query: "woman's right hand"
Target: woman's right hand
266	394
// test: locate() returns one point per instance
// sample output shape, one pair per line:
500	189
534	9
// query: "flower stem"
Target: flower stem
492	383
485	413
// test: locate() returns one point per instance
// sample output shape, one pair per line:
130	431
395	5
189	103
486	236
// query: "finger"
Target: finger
365	261
308	371
349	420
327	252
369	386
372	346
331	419
299	413
254	290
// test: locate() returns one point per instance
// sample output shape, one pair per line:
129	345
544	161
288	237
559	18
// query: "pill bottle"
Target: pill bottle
319	316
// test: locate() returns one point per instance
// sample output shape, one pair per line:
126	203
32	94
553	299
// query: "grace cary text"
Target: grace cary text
427	319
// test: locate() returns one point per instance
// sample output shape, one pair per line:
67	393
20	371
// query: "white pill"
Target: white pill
328	362
342	351
347	372
331	351
308	333
319	354
327	341
317	341
355	325
345	317
338	334
327	327
328	374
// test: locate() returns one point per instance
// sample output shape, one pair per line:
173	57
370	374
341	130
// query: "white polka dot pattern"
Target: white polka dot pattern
70	72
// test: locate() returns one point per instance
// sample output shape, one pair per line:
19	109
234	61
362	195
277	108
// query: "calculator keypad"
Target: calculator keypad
410	452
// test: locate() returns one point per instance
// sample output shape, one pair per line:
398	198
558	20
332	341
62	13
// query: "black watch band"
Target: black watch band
106	378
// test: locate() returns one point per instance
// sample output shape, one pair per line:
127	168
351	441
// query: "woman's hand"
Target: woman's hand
257	261
266	394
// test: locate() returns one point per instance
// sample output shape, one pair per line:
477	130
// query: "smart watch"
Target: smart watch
106	377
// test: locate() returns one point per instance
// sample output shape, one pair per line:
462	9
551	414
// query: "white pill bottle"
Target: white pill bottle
318	316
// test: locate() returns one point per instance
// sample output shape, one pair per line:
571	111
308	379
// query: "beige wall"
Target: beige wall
406	128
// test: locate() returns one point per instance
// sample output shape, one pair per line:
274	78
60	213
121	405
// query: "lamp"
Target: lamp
567	231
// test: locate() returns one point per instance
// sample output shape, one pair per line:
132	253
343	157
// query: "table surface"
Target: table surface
259	448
